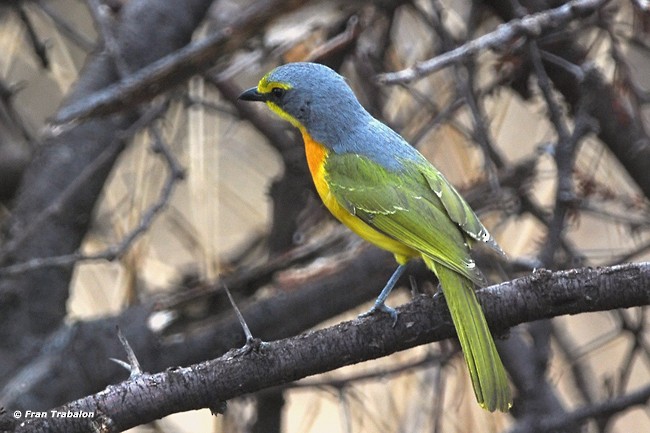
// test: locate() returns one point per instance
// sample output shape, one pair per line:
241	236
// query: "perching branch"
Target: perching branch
541	295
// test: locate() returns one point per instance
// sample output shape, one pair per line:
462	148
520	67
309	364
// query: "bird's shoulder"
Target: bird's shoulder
382	170
378	143
401	205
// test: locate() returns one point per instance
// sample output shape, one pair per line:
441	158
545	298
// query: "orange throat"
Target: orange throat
316	155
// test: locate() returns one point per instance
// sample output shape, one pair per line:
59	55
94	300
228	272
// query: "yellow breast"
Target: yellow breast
316	156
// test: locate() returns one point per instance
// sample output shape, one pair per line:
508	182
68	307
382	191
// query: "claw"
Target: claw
384	309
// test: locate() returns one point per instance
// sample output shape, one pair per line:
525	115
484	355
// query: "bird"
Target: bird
382	188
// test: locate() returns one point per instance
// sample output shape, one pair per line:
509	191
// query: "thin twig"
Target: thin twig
80	181
68	30
174	68
100	15
39	47
465	77
605	409
380	373
176	173
582	375
115	251
528	26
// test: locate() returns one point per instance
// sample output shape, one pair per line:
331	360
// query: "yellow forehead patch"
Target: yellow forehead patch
265	86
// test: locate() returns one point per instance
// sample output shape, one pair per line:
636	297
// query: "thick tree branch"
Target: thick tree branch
52	208
73	369
175	68
343	283
543	294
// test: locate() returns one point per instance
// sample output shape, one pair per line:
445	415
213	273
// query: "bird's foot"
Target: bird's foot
384	309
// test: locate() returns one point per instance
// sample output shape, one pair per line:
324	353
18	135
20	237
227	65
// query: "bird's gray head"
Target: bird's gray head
313	97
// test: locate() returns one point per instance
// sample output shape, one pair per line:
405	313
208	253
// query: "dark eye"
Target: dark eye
277	92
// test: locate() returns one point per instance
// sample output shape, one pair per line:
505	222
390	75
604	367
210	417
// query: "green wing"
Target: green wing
457	208
416	206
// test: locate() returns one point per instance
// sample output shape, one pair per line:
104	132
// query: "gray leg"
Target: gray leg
379	303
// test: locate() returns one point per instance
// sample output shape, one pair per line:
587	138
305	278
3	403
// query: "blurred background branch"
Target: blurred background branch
134	187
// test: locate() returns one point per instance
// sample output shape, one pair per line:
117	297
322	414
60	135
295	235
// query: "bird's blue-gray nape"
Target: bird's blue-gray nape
321	93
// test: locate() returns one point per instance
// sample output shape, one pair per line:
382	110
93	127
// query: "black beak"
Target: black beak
252	95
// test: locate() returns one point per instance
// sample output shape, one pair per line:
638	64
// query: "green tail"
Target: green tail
485	368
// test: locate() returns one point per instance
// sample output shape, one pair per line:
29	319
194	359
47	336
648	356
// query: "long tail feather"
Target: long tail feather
485	368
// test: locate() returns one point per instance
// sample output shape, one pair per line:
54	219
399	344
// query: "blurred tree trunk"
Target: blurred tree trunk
53	206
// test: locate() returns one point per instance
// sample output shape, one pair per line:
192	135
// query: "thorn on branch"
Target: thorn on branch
252	343
133	366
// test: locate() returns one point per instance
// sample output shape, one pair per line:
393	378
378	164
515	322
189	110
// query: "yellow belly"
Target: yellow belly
316	156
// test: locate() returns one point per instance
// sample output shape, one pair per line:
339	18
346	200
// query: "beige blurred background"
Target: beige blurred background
223	205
